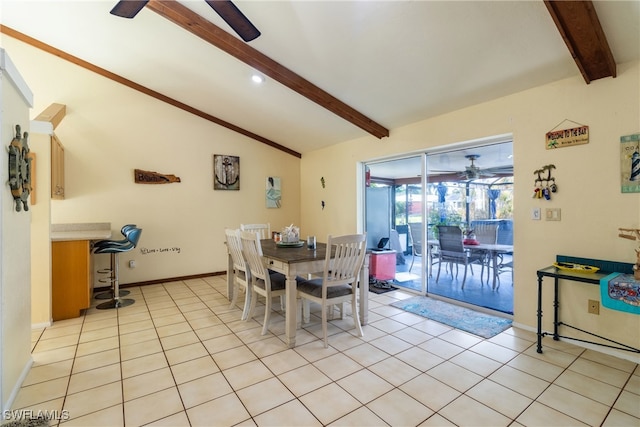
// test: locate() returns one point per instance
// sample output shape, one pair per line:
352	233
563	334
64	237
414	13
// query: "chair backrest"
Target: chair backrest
234	246
415	234
450	238
486	233
252	251
348	255
263	229
133	235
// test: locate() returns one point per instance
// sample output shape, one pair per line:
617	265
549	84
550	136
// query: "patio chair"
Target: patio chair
452	251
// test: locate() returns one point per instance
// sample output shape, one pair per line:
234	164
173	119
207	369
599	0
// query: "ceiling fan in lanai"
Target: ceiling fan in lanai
225	8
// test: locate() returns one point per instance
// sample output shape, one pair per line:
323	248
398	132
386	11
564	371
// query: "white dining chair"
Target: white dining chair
241	273
339	281
263	229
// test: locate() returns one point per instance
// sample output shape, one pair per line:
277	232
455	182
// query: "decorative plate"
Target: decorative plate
298	244
579	268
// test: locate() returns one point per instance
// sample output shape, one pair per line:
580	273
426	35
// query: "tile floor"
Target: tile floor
180	356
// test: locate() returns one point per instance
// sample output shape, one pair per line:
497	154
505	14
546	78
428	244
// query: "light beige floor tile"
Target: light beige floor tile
628	403
93	399
330	403
588	387
37	393
494	351
519	381
290	413
141	365
51	332
227	410
94	378
633	385
477	363
362	417
56	343
541	415
579	407
609	360
430	392
97	346
152	407
51	409
97	334
185	353
397	408
344	341
366	354
142	325
283	361
536	367
173	329
134	318
551	355
617	418
42	373
54	355
193	369
96	360
390	344
233	357
388	325
511	342
465	411
499	398
365	386
212	332
222	343
304	379
441	348
455	376
264	396
108	417
420	359
606	374
394	371
179	340
460	338
412	335
267	347
202	321
432	328
337	366
437	420
138	337
131	351
203	389
147	383
247	374
165	320
179	419
314	350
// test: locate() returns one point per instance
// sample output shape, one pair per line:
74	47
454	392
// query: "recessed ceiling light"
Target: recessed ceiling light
257	78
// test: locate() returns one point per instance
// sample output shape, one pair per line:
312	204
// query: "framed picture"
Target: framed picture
226	172
273	192
630	163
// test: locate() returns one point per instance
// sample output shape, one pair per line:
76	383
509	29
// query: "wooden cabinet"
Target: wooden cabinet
57	168
71	278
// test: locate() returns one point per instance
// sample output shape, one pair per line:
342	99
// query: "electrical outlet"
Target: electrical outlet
535	214
552	214
594	307
132	264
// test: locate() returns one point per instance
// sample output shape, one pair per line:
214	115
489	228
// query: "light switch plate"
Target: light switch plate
535	214
552	214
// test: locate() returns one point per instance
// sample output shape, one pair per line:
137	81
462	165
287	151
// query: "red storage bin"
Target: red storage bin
383	265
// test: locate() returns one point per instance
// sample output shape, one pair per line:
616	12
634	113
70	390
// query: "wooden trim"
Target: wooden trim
197	25
53	114
580	29
170	279
133	85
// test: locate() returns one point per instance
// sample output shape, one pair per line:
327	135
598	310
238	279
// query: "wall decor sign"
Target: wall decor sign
273	192
567	137
226	172
148	177
630	163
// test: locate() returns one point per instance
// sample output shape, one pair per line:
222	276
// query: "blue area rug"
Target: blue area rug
481	324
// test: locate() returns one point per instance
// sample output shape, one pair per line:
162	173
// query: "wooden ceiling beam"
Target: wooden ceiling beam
580	29
133	85
199	26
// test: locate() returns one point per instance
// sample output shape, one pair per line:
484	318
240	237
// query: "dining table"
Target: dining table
492	249
300	261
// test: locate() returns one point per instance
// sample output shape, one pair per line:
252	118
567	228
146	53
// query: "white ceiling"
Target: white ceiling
396	62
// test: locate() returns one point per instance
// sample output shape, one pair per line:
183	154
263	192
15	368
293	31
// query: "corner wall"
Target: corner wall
588	179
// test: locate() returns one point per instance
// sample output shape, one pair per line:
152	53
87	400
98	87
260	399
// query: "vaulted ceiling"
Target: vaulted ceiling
334	70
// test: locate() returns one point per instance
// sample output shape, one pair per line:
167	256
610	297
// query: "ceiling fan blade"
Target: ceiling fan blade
236	19
128	8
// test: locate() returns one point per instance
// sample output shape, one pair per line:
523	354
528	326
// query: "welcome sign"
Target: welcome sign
567	137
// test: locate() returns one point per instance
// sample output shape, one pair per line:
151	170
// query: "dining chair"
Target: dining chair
241	273
264	282
452	251
415	239
263	229
485	233
339	281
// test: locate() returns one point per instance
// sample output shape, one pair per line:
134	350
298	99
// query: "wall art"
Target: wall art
273	192
226	172
630	163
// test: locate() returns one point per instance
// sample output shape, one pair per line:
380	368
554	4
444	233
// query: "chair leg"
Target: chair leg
267	315
356	317
247	304
438	275
464	279
324	327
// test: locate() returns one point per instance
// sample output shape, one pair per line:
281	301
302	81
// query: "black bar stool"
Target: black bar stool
114	250
125	230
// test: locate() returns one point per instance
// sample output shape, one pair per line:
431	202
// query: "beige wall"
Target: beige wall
109	130
588	179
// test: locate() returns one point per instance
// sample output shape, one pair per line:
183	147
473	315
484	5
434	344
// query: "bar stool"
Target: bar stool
125	230
114	250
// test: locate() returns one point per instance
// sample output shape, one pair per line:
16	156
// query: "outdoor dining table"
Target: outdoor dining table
492	249
300	261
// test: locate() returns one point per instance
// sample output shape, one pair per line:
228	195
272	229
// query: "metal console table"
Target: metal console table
606	268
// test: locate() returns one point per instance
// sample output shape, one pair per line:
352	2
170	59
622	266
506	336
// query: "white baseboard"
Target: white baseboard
16	387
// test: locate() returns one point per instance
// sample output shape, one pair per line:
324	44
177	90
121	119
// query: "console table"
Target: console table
606	268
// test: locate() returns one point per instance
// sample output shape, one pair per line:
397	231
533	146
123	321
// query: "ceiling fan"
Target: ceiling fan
225	8
474	172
